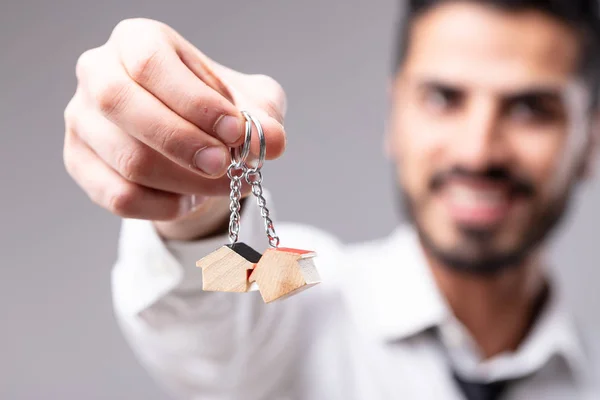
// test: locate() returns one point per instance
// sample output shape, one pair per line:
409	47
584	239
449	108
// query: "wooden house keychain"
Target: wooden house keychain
228	268
280	272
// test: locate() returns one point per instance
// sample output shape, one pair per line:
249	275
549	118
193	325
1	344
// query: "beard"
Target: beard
476	253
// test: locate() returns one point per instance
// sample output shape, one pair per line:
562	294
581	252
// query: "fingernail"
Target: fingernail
190	203
211	160
228	129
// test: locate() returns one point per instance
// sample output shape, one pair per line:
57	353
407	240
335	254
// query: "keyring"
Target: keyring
239	155
261	138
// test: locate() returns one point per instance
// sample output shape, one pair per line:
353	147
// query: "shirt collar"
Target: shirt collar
395	295
399	299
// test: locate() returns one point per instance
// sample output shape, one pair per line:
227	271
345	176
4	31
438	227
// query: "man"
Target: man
492	127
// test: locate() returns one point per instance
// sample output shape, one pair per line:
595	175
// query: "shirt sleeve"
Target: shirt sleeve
206	344
148	267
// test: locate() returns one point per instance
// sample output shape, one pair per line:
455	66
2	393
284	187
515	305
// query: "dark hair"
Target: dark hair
581	15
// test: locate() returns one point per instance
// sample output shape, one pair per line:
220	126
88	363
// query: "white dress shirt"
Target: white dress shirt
361	334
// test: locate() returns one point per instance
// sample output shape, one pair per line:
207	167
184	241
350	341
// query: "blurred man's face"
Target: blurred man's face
489	131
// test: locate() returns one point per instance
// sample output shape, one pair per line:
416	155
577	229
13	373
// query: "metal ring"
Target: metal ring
239	155
233	168
261	139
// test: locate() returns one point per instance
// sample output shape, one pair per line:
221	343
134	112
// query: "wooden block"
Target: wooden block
283	272
228	268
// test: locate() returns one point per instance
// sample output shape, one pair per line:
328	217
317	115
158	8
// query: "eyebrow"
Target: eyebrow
431	83
547	93
535	91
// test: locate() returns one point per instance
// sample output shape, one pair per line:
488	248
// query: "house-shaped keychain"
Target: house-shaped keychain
228	268
279	272
282	272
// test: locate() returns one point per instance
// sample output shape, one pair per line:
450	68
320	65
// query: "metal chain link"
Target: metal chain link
254	178
234	196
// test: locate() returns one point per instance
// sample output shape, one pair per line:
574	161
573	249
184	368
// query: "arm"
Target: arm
148	129
207	344
191	341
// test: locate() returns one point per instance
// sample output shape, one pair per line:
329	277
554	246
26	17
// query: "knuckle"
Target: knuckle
142	42
73	159
270	83
69	113
143	67
72	111
112	96
133	26
265	79
122	200
69	160
168	141
133	165
85	62
121	27
275	103
274	110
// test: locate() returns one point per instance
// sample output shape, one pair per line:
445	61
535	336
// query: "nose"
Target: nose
480	144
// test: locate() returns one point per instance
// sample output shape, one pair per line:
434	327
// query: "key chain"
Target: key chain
228	268
280	272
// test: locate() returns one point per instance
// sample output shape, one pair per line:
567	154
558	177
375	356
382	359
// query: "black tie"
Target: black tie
494	390
481	391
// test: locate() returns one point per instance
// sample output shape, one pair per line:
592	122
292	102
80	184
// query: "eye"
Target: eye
442	99
535	109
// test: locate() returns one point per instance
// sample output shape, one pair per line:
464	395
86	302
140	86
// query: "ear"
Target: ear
590	153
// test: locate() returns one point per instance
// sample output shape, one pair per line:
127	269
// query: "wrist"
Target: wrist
208	220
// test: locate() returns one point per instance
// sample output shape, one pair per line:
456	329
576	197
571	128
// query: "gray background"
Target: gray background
58	339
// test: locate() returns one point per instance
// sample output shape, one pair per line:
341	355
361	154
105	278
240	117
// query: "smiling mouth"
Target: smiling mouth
479	204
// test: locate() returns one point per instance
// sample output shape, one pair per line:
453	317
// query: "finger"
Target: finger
140	114
274	133
108	189
151	60
258	94
138	163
